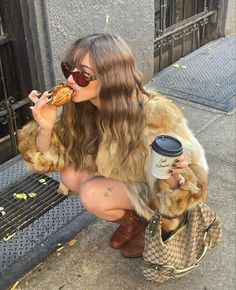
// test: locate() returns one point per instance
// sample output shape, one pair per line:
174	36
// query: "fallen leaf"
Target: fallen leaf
2	212
20	195
176	65
32	194
14	285
43	181
9	237
94	248
60	248
183	66
72	242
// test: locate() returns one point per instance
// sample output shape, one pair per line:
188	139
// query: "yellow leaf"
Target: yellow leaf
32	194
42	180
21	195
176	65
72	242
14	285
94	248
59	249
9	237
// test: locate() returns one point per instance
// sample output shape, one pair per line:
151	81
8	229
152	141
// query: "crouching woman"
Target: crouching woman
100	142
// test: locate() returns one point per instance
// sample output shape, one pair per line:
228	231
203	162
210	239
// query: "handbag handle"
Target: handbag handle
173	271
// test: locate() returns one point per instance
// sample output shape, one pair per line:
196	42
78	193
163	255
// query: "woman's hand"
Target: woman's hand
176	179
44	114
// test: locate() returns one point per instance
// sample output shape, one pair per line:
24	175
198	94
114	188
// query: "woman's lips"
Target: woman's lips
74	90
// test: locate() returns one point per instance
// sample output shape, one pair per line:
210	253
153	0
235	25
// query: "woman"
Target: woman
100	142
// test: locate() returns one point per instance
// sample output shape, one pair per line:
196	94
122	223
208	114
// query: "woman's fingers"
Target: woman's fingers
178	169
39	99
45	95
180	164
180	179
45	99
34	96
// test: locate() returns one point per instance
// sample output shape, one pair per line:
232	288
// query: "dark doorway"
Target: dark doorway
15	77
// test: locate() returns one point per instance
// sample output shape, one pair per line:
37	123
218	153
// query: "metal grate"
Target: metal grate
25	201
206	76
34	242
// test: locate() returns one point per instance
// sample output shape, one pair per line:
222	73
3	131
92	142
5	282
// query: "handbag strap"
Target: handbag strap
153	225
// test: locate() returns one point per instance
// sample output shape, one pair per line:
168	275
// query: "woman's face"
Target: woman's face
90	92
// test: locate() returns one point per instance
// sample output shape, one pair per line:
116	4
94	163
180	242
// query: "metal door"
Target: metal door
181	26
15	79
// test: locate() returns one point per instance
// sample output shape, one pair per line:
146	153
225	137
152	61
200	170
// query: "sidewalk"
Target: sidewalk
90	264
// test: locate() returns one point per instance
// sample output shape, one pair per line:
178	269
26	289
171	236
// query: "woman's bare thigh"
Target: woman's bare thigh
106	198
105	193
74	178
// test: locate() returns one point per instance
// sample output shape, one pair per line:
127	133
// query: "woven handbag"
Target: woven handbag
184	249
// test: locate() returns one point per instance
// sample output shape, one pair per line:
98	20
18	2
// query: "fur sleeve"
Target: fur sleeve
169	202
172	203
50	161
164	117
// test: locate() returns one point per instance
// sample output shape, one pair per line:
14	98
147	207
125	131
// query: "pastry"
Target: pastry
61	94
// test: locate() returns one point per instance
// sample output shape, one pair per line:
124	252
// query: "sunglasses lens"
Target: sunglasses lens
65	69
80	79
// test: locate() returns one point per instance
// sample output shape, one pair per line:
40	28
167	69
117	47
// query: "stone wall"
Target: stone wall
69	20
230	24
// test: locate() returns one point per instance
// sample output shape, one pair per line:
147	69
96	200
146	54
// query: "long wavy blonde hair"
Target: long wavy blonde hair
120	120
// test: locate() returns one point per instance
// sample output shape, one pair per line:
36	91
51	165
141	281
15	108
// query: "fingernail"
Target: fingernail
170	171
174	165
176	160
50	91
49	97
38	93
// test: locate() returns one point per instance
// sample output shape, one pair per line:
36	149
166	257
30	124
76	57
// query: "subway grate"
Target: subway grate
25	201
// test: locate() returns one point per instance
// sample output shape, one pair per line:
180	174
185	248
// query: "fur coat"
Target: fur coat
146	192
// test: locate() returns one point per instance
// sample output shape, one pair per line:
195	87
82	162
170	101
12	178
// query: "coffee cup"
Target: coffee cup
165	150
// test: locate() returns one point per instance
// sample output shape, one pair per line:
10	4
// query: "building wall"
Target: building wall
230	24
69	20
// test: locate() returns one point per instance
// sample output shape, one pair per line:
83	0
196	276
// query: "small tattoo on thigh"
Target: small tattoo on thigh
108	191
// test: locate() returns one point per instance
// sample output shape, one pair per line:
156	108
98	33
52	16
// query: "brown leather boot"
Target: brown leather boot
130	226
134	248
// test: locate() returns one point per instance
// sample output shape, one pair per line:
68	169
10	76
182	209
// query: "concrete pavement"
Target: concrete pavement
90	264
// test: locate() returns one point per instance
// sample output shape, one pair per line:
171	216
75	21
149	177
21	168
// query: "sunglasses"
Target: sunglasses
82	79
